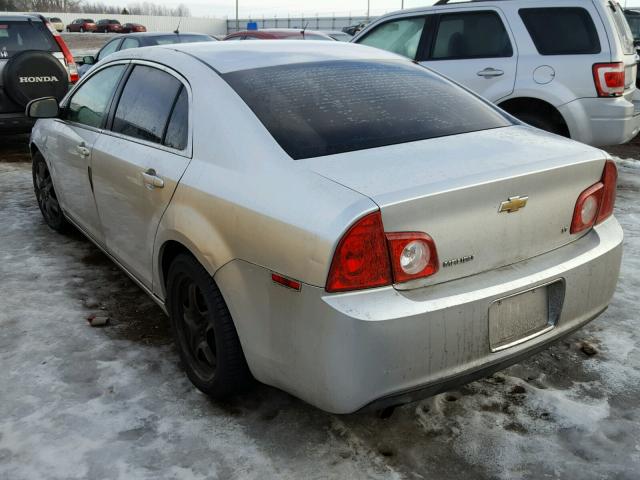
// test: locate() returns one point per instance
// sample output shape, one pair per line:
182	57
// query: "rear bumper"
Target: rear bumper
15	123
603	121
342	352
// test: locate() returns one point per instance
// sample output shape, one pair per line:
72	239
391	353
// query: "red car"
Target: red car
279	34
133	28
82	25
108	26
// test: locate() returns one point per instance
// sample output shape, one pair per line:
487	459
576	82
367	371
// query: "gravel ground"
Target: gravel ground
112	402
86	43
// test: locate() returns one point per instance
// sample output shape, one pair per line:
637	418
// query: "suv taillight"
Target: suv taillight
595	204
72	68
609	79
366	257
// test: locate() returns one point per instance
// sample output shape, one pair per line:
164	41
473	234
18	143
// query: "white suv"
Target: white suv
566	66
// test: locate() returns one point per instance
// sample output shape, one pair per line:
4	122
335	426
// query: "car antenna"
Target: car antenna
304	29
177	30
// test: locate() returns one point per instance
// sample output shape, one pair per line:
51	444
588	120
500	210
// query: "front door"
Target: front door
75	135
138	163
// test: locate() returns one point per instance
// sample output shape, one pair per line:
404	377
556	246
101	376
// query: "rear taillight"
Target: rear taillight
413	255
595	204
609	79
366	257
610	182
72	68
361	259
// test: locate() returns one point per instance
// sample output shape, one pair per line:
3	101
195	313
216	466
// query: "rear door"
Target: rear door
475	48
138	163
71	143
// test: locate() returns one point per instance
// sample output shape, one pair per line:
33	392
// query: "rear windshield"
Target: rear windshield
56	20
19	36
324	108
561	30
622	27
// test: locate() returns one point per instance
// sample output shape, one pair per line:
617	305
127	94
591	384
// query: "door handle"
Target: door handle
490	72
151	180
83	150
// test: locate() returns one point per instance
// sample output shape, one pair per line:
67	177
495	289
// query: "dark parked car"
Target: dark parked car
34	63
278	34
136	40
108	26
133	28
82	25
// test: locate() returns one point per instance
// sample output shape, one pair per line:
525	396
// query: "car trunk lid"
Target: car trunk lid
453	187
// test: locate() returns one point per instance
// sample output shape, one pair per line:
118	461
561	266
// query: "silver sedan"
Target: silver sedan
329	219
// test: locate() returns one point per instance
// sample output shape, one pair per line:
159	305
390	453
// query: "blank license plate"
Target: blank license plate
518	318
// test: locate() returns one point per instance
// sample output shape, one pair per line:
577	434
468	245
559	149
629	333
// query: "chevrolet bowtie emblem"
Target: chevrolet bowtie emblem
513	204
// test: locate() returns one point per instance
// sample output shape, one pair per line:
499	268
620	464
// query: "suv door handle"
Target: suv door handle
83	150
490	72
151	180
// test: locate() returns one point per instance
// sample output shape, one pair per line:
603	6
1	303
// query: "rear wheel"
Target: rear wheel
46	195
203	330
540	121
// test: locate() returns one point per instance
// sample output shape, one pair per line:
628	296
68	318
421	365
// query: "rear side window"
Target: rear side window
324	108
19	36
178	127
471	35
146	104
561	30
399	36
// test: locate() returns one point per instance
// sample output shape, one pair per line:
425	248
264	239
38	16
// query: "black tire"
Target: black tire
540	121
46	195
203	331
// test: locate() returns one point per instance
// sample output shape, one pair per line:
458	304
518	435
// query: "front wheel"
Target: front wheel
203	330
46	195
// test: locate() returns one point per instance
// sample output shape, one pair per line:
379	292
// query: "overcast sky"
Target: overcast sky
282	8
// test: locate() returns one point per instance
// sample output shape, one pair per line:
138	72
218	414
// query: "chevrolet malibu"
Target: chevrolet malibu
329	219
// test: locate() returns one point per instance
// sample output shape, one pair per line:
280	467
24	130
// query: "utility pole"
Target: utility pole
237	18
368	8
402	5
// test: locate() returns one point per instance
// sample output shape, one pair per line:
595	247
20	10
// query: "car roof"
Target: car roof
158	34
226	57
20	17
277	32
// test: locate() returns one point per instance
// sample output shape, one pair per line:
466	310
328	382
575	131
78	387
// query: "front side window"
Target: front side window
89	104
129	43
325	108
561	30
398	36
108	49
146	103
471	35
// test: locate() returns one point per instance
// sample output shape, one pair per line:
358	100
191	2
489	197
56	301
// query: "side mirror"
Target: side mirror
43	108
89	60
